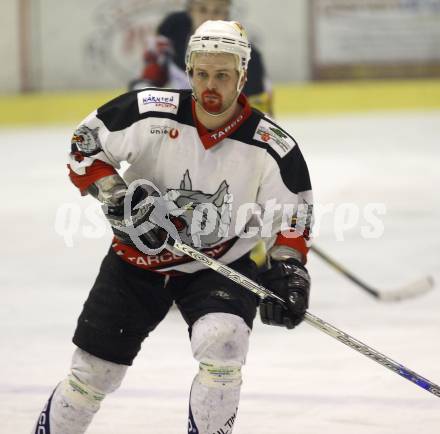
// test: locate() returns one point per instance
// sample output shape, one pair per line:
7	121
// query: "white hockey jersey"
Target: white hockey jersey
248	179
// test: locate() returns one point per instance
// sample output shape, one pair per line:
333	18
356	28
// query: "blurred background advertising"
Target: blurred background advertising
62	59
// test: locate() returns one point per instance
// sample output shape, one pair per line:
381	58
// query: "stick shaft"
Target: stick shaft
313	320
378	357
228	272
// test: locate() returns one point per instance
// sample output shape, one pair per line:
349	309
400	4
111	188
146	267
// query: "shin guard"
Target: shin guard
220	343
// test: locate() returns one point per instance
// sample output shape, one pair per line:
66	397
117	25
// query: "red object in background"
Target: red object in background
156	59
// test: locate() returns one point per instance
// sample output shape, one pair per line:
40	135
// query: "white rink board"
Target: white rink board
299	381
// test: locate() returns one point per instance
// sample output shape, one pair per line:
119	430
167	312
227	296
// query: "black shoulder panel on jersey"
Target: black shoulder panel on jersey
247	130
185	114
120	112
123	111
293	168
294	171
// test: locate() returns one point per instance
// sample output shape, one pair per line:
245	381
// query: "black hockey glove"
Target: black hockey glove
150	235
290	280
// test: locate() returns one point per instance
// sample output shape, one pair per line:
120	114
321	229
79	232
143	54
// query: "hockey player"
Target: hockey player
201	149
164	57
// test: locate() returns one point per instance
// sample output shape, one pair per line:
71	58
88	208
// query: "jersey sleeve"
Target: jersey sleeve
98	148
285	195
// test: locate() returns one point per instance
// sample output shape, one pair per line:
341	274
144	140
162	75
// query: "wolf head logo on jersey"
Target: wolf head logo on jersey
202	219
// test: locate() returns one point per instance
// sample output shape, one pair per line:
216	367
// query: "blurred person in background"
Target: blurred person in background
164	57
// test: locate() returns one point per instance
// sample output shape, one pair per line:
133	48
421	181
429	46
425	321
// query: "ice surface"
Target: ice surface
299	381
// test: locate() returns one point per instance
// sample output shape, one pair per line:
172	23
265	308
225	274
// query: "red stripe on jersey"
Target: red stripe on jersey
295	242
165	258
97	170
211	138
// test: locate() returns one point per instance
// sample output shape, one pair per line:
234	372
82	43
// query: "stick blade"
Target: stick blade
412	290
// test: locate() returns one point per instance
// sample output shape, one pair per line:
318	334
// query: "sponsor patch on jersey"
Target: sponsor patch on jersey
86	140
164	130
275	137
158	101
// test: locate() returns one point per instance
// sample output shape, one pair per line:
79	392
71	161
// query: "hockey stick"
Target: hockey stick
325	327
413	289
